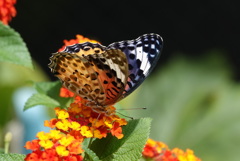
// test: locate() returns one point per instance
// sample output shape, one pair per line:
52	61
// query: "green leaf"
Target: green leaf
48	95
130	147
12	157
90	155
12	47
48	87
52	89
40	99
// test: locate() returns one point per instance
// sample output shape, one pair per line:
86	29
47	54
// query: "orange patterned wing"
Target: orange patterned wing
93	73
112	69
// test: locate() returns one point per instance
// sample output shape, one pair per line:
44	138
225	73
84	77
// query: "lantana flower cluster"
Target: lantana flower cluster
158	151
72	125
78	122
70	128
7	10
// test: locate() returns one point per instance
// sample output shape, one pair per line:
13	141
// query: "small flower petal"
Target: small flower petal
62	151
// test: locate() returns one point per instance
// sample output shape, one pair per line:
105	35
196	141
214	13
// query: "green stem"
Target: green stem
7	140
90	142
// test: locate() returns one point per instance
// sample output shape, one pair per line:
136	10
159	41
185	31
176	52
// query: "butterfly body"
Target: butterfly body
104	75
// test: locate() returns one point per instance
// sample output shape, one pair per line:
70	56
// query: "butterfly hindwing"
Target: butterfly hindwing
112	69
142	55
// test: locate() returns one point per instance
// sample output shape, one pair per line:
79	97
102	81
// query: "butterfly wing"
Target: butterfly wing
93	73
112	69
77	75
142	55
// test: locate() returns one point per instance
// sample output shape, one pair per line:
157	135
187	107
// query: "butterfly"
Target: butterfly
105	75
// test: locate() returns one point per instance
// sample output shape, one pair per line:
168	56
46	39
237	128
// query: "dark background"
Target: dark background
191	28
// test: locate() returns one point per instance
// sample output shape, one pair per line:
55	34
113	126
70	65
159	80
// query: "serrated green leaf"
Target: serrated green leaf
40	99
12	47
52	89
12	157
130	147
47	87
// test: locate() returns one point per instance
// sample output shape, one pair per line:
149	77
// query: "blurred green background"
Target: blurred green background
194	104
193	93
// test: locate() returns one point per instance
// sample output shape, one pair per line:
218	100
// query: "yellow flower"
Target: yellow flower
65	141
43	136
75	125
108	122
62	114
86	132
97	134
185	156
46	144
55	134
63	125
62	151
96	122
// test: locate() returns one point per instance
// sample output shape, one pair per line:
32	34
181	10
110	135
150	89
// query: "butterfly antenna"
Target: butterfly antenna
144	108
125	115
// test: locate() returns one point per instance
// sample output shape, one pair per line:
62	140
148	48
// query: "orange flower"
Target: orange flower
54	146
34	145
87	120
159	151
7	10
79	39
71	126
47	155
51	123
117	131
100	123
64	92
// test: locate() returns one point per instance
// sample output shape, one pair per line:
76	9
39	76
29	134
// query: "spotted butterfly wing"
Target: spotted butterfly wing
142	55
92	72
104	75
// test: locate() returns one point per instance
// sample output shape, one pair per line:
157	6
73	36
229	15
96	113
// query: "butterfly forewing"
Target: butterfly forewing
142	56
77	74
89	71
